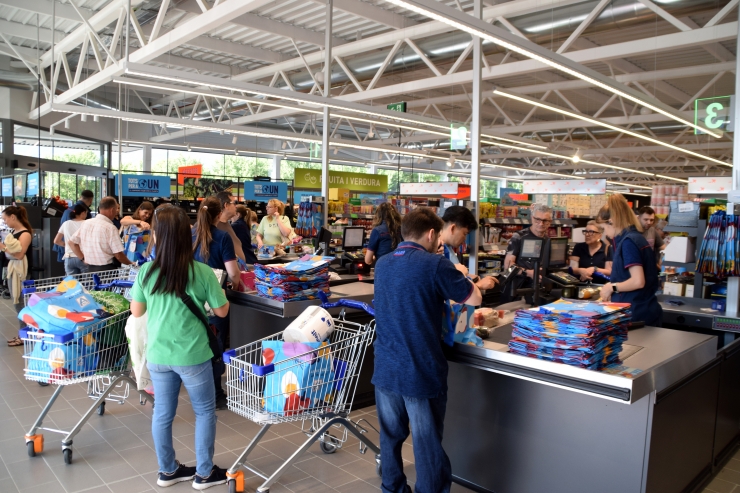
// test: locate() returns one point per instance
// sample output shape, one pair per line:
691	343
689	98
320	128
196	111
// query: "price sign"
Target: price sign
715	113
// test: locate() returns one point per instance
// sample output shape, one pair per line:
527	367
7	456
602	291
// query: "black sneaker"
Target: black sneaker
182	473
222	404
217	476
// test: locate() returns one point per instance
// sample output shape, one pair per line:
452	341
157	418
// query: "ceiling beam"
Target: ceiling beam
368	11
43	7
26	31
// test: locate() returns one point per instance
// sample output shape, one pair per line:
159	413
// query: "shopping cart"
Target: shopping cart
99	353
324	402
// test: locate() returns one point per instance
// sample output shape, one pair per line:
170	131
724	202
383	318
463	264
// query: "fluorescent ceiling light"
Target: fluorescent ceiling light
595	121
477	27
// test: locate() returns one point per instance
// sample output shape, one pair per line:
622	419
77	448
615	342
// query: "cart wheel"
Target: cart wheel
67	456
31	451
328	447
232	486
101	408
379	470
43	384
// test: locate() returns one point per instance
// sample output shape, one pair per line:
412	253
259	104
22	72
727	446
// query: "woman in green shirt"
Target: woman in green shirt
177	348
274	226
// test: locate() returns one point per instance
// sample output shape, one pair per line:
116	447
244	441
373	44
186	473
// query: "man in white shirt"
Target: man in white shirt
97	242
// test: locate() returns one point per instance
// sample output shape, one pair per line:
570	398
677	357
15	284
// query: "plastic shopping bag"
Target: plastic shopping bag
292	362
137	339
457	325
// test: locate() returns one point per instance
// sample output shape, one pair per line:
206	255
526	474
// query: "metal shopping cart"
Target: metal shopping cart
98	352
317	388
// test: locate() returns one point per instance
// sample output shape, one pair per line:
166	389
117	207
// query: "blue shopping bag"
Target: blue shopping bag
136	243
285	386
52	362
457	325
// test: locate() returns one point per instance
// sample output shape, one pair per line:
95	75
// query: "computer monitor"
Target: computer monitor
32	184
354	238
323	239
7	187
558	253
532	248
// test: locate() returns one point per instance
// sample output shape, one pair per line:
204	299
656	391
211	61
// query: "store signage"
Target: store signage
400	107
358	182
710	184
262	191
192	171
32	184
565	187
432	188
7	190
458	137
145	185
715	113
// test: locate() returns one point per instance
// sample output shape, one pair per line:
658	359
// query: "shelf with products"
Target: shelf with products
527	222
694	232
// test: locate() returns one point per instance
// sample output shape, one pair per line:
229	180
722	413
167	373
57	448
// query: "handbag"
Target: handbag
210	329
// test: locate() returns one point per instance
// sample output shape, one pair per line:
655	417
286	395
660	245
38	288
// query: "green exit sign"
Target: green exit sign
714	113
400	107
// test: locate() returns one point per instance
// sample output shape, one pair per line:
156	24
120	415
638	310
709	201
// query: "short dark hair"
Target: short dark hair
461	217
87	194
107	203
646	209
418	222
224	198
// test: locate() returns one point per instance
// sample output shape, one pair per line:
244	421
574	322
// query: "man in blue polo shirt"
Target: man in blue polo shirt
410	378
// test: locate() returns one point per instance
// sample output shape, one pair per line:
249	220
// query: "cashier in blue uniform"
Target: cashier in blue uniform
541	220
634	276
593	256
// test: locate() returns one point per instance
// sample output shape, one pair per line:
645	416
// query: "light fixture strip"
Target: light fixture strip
447	15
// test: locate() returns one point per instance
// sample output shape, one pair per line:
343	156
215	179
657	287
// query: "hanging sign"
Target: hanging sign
458	137
32	184
565	187
714	113
358	182
192	171
432	188
262	191
400	107
145	185
710	184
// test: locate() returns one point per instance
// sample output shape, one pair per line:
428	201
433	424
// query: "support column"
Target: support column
275	170
147	159
327	123
733	283
475	149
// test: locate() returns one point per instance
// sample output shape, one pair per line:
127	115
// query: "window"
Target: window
57	147
132	160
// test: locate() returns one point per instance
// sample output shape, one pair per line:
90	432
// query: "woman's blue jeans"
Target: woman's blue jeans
198	381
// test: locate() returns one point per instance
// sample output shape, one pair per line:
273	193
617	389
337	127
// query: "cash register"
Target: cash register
353	239
557	268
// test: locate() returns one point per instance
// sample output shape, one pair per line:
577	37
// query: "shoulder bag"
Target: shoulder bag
210	329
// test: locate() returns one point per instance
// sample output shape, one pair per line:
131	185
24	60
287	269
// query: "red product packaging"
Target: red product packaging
247	281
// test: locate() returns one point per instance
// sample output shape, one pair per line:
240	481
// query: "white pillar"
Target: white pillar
147	159
733	283
275	170
327	124
475	149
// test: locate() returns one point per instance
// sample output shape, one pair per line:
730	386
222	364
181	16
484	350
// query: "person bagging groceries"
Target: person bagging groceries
410	377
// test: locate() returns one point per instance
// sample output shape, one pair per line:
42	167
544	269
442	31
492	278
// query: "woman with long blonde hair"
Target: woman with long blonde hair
634	276
274	227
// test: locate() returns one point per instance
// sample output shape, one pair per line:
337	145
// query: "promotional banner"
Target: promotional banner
7	190
32	185
192	171
145	185
357	182
262	191
710	184
431	188
564	187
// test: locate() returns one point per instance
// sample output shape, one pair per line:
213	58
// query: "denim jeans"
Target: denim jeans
222	327
73	265
426	417
198	380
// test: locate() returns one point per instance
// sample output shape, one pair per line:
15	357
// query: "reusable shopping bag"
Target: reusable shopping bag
137	339
457	325
135	244
53	362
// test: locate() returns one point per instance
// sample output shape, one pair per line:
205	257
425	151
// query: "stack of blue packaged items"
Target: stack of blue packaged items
299	280
579	333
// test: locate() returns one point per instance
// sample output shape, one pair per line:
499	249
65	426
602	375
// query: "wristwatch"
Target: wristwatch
615	289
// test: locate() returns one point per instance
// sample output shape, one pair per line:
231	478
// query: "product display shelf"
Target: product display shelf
698	233
516	220
353	216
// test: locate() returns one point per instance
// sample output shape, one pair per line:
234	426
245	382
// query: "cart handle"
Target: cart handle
113	284
359	305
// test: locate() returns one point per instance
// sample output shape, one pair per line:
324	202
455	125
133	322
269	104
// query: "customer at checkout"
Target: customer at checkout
410	377
541	220
228	211
592	256
646	214
634	276
386	233
274	229
458	222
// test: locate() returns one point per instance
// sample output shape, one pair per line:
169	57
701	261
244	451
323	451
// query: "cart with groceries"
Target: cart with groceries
306	373
75	333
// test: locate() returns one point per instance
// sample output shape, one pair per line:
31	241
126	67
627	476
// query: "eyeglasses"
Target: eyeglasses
542	221
589	232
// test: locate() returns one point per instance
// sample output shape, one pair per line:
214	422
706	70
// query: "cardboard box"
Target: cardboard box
681	249
674	288
340	194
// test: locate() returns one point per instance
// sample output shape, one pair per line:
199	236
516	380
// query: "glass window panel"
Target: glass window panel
28	141
132	160
68	186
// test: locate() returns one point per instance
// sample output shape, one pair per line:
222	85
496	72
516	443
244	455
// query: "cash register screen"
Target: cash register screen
354	237
558	252
532	248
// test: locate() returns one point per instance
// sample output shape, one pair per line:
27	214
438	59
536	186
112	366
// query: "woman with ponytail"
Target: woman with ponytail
18	260
72	264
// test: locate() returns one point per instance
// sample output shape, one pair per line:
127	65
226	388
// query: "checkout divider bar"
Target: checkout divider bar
597	389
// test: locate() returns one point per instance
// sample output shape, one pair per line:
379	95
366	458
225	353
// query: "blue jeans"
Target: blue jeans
426	416
73	265
198	380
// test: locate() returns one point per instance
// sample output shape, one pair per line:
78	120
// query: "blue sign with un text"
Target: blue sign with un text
145	185
7	190
32	184
262	191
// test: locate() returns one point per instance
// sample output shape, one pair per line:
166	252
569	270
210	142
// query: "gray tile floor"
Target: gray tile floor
114	452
